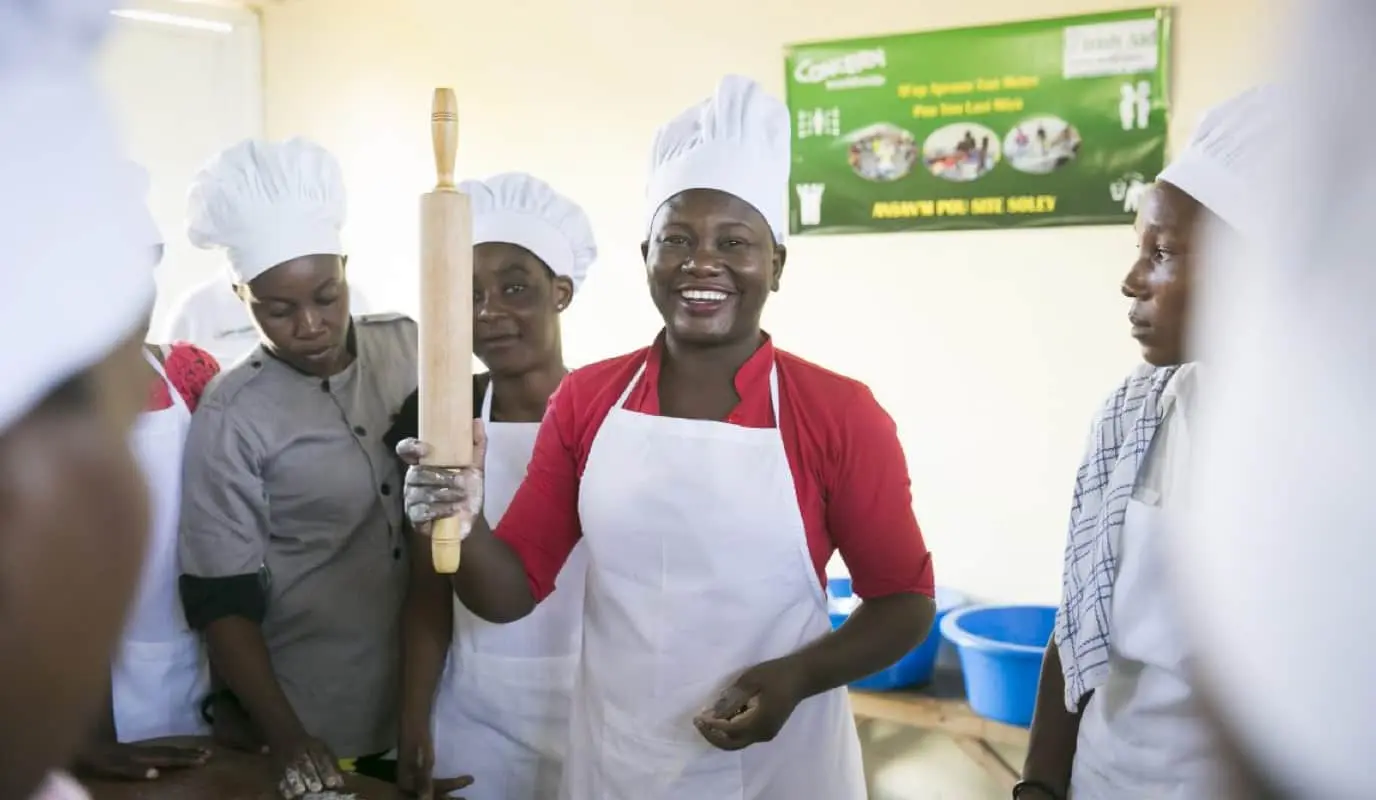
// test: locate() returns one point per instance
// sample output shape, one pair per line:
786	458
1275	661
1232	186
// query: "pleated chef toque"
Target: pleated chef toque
523	210
265	203
71	212
737	141
1231	142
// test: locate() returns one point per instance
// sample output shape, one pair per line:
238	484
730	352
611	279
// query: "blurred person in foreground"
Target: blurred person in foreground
73	503
159	676
1276	558
1117	715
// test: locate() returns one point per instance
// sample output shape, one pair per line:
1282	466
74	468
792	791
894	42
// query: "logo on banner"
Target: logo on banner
1128	190
814	122
850	71
810	203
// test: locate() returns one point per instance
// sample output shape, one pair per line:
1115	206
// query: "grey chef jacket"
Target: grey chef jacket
287	474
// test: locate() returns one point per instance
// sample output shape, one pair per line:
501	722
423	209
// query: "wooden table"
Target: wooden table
230	775
941	706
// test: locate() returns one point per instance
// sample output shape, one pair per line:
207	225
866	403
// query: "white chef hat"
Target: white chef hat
265	203
1218	164
736	141
68	209
523	210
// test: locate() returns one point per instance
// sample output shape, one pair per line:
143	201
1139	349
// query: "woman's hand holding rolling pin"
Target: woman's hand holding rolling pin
436	492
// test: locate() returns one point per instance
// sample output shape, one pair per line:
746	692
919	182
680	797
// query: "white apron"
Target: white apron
1140	737
502	710
160	674
699	569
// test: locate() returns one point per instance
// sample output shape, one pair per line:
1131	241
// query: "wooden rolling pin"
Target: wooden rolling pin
446	320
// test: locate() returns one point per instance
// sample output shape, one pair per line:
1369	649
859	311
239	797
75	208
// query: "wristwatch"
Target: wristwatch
1021	786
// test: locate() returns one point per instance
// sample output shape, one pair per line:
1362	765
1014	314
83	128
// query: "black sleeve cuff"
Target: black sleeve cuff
406	422
208	599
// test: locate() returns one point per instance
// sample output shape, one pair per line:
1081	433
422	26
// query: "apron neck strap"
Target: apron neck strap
486	413
154	355
774	391
626	393
177	400
640	373
154	361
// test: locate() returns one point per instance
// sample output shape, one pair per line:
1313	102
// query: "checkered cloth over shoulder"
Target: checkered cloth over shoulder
1118	446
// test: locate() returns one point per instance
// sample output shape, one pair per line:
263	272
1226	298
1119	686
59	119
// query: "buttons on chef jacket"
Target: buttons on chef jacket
386	489
325	386
359	430
396	553
256	364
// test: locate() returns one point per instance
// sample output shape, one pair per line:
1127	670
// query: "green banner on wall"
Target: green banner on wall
1029	124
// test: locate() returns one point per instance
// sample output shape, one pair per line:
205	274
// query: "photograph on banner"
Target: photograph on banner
1027	124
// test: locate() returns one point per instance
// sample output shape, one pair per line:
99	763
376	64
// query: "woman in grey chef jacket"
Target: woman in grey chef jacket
291	545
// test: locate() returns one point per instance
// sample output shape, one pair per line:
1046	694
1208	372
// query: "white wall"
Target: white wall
989	349
180	95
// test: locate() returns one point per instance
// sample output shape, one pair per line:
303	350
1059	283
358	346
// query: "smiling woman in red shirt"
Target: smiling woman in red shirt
711	477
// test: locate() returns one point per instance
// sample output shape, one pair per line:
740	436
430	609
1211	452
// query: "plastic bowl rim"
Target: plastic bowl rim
957	598
953	633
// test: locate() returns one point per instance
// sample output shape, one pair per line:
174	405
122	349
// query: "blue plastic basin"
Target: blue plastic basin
1001	649
915	668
